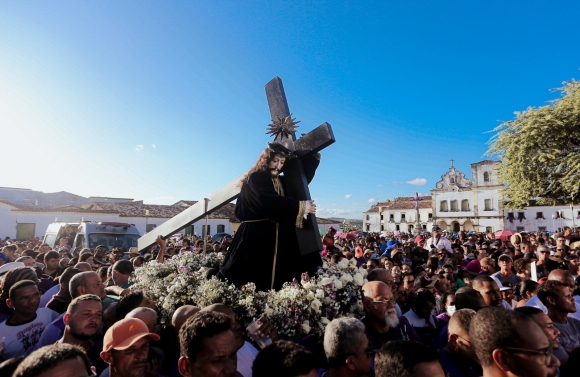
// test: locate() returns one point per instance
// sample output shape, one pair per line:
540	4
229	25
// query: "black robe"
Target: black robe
250	257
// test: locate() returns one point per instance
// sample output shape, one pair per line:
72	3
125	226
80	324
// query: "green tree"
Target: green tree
540	151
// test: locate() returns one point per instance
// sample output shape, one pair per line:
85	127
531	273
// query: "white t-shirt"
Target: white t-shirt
246	356
416	321
21	340
48	295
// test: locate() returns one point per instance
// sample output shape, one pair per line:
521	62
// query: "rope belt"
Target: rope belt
275	248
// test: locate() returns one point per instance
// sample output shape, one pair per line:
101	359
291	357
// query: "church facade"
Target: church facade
469	204
456	203
475	204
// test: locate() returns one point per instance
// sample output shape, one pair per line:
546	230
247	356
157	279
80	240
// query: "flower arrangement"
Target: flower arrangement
297	309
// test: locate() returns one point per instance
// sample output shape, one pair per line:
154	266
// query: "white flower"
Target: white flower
363	272
319	293
269	311
326	281
346	278
310	295
337	284
316	304
352	263
343	263
306	327
327	300
358	279
324	321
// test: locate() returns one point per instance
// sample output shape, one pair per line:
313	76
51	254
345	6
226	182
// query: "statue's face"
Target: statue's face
275	166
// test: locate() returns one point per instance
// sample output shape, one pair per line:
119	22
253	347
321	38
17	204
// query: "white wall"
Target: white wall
8	220
373	224
530	223
454	195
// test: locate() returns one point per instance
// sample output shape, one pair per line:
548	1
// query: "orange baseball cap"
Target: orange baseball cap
124	333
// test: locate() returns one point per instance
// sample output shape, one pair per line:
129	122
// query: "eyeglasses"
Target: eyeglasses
546	354
382	302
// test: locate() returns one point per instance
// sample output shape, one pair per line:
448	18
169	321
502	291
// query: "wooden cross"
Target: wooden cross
297	185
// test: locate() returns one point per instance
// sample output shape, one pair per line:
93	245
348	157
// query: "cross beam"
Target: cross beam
297	187
218	199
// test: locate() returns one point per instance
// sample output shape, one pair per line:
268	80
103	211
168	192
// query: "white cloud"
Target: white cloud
139	147
418	182
371	200
347	196
153	146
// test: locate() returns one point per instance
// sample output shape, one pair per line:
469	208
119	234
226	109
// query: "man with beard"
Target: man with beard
558	299
381	321
80	284
551	331
380	274
265	248
509	344
126	347
458	357
83	319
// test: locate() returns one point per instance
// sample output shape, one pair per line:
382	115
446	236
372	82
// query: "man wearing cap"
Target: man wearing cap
437	239
419	254
126	347
505	273
425	282
392	247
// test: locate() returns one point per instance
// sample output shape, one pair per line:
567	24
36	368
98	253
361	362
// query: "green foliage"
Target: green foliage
540	151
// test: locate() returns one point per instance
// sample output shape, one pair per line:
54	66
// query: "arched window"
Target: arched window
485	176
443	206
452	180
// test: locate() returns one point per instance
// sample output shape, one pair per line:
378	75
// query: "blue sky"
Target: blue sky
162	101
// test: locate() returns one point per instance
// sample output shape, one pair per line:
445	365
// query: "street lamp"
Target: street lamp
560	213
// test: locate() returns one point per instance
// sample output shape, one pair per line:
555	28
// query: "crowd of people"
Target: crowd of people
436	304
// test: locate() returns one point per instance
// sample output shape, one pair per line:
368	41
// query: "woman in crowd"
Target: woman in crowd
525	291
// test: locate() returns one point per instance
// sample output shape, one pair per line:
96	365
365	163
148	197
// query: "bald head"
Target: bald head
562	276
147	315
374	289
380	274
83	266
182	314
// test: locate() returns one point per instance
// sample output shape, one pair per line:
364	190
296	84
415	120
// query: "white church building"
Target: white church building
459	203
